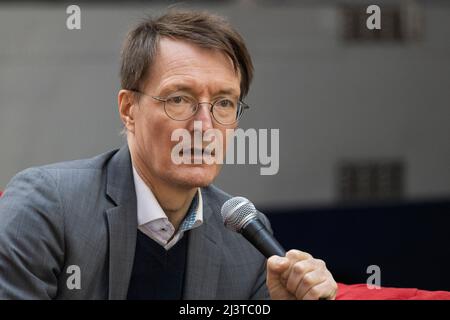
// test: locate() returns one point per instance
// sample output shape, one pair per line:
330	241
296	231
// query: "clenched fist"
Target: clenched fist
299	276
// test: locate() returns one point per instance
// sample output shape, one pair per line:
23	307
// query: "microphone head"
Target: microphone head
236	212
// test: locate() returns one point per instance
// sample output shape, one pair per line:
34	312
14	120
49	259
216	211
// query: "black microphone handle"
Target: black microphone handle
256	233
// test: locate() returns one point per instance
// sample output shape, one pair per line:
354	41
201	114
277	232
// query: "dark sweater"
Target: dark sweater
157	274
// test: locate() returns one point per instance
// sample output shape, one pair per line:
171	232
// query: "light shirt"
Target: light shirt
153	221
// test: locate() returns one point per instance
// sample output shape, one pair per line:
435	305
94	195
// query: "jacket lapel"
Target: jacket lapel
205	242
122	223
204	257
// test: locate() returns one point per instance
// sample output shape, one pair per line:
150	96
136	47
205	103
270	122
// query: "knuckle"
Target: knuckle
321	263
293	254
334	285
307	255
330	278
298	255
298	268
272	260
314	293
308	280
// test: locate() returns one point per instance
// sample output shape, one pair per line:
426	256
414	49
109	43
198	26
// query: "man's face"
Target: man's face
181	67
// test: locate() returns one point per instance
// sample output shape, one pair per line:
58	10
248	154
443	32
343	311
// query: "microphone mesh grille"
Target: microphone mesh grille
236	212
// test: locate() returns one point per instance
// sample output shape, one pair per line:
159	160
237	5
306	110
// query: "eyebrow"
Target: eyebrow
182	87
229	91
177	87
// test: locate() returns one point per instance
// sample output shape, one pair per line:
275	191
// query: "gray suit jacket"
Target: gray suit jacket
83	213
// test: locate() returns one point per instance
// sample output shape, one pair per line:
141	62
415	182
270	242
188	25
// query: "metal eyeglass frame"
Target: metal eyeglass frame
241	107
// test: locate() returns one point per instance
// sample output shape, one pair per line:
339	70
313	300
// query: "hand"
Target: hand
299	276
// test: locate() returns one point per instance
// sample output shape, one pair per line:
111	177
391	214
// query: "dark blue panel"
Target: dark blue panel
409	242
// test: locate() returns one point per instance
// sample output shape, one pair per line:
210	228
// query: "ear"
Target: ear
127	108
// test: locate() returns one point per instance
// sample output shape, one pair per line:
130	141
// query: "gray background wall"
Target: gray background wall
331	100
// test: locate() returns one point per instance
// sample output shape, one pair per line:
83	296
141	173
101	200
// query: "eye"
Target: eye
225	103
176	99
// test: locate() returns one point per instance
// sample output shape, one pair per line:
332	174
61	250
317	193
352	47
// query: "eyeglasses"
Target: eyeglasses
181	107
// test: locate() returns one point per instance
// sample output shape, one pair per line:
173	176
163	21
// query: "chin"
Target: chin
195	176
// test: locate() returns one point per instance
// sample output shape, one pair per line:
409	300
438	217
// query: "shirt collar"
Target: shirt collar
194	216
149	209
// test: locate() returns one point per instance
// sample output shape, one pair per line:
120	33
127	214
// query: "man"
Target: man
131	223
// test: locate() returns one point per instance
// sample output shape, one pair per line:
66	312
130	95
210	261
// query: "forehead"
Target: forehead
181	62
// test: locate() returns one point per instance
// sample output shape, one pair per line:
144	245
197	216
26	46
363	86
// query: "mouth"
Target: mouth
194	152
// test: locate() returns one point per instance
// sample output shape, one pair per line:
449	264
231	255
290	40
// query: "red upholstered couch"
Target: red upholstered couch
362	292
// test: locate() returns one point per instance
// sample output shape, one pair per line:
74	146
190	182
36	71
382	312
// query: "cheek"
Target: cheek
228	135
161	137
155	132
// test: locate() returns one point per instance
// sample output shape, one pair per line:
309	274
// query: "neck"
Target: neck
174	200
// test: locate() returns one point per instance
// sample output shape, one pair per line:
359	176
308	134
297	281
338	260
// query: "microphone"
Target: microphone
239	215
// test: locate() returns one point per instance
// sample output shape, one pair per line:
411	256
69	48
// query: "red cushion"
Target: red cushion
362	292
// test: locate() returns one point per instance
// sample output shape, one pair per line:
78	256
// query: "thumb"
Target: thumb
276	265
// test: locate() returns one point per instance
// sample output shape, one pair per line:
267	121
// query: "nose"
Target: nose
204	115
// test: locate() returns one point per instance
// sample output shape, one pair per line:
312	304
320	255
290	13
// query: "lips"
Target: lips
194	151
